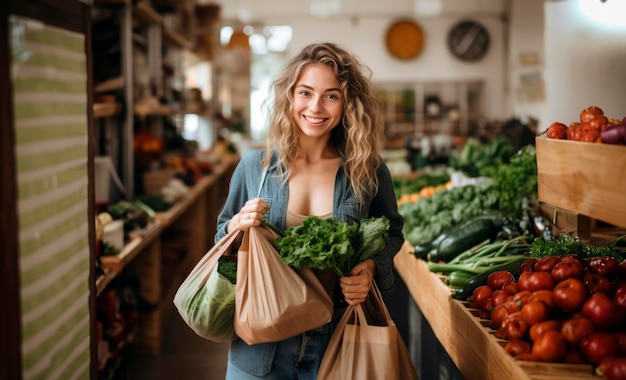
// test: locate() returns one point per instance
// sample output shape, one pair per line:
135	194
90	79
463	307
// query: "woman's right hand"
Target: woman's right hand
249	215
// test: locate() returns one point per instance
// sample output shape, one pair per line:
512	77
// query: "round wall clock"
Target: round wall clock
405	39
469	40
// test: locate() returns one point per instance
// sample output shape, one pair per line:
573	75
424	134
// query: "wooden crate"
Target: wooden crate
587	178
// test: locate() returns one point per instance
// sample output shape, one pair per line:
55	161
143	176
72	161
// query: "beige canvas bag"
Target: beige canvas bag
273	301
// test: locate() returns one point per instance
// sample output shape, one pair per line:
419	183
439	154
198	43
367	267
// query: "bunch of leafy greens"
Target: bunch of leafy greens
228	269
476	157
516	181
426	219
327	243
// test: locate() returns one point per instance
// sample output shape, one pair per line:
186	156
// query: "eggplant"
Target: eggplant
614	134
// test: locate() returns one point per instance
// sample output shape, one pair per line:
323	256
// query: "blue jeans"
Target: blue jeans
298	357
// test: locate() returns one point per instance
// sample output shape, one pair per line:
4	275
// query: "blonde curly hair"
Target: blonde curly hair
360	133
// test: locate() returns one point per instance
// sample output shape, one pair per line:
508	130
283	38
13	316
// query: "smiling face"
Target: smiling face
317	101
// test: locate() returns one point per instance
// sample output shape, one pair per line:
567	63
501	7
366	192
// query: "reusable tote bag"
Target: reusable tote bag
206	299
275	302
366	345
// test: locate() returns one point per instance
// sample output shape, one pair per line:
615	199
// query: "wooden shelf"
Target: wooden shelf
106	109
147	14
152	110
468	340
117	263
178	39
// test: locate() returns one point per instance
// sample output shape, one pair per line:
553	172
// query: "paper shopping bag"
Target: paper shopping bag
206	299
275	302
366	345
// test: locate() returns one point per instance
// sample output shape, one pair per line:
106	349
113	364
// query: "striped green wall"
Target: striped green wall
50	102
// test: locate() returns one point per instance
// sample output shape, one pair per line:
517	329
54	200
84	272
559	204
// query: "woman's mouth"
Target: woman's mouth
314	120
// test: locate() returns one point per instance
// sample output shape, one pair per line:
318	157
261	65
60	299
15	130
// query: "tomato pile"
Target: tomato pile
564	309
593	126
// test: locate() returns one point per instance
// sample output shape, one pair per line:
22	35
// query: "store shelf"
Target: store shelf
106	109
147	14
468	340
178	39
116	263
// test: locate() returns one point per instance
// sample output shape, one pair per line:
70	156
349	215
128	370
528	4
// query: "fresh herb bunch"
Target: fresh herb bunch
228	269
327	243
566	244
515	181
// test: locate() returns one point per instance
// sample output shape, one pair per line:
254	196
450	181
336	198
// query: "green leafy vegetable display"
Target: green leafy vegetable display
428	218
327	243
565	244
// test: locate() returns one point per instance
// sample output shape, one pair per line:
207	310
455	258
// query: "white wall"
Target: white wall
585	62
362	26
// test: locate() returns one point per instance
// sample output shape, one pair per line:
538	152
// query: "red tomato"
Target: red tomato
569	295
603	312
515	329
544	295
511	305
500	296
596	283
517	347
528	265
557	130
604	266
498	279
599	122
533	281
573	132
550	347
479	296
497	315
590	112
511	287
597	346
616	369
535	312
540	328
620	297
573	357
567	269
575	329
521	298
572	256
546	263
604	365
620	338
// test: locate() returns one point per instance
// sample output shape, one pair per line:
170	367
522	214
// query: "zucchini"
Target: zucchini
467	290
458	278
421	251
463	237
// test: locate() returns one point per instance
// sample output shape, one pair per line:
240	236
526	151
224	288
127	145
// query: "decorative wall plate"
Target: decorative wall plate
405	39
469	40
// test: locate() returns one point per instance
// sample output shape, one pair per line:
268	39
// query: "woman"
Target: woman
322	158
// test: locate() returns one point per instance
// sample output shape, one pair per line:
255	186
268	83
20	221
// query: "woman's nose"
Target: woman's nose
316	103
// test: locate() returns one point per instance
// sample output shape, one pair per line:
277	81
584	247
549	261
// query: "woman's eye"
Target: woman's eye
304	93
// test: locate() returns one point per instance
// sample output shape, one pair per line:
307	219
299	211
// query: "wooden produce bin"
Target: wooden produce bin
587	178
468	340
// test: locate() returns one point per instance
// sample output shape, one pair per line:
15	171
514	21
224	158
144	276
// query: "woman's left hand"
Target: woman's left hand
357	285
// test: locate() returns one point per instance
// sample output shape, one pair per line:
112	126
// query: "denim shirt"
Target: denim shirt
245	184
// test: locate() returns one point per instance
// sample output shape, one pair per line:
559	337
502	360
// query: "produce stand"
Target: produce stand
163	254
468	340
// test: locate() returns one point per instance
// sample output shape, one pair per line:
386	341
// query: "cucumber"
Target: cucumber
467	290
463	237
